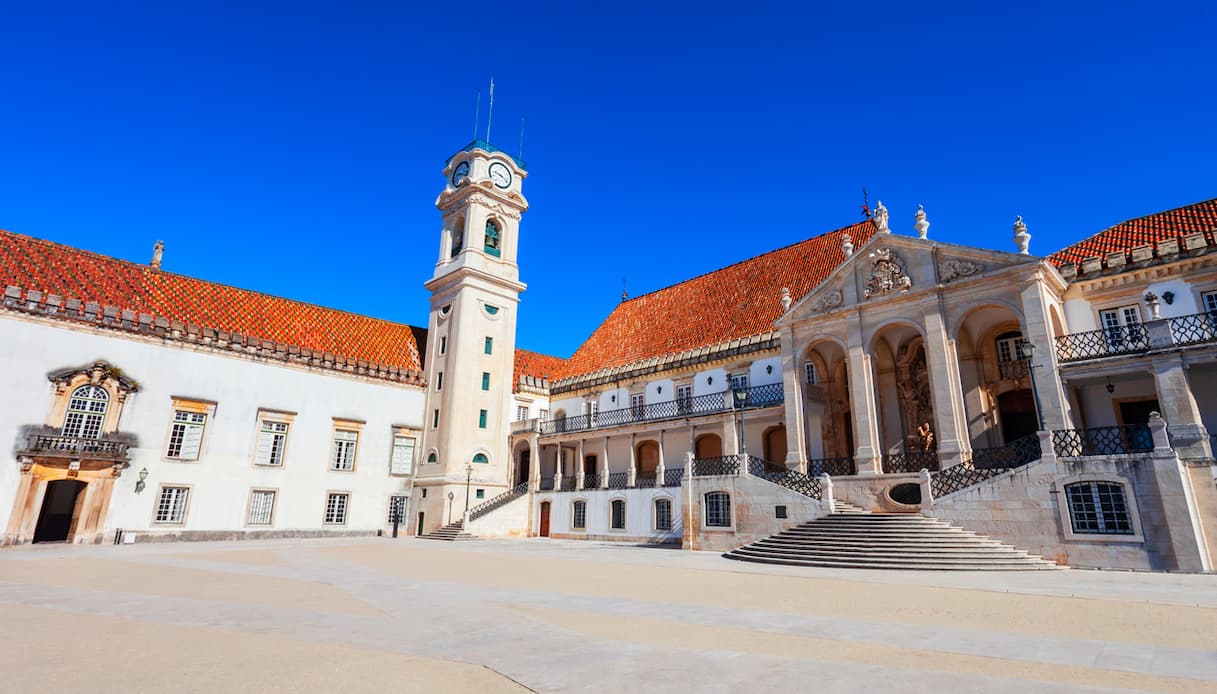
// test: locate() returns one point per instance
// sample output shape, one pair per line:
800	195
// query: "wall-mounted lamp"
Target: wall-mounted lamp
769	368
1168	297
709	380
658	389
1110	386
140	484
612	398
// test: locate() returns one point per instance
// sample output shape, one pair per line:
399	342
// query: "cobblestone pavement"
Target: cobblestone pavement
392	615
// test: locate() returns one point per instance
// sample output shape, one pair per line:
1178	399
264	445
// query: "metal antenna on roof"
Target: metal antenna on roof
865	204
490	113
477	114
624	294
520	154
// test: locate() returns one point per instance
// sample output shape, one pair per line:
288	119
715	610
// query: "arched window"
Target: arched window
718	510
617	514
493	238
1098	508
458	237
86	412
663	514
481	458
579	515
431	457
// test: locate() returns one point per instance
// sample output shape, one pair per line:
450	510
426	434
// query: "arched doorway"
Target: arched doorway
523	466
58	513
708	446
543	531
648	460
773	445
1016	409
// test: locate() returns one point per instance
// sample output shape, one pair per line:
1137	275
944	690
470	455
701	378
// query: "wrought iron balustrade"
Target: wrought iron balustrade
723	465
545	484
1013	369
525	426
711	403
1078	443
591	481
910	461
1017	453
763	396
672	477
644	482
833	467
619	480
75	446
795	481
1195	329
569	484
497	501
1122	339
957	477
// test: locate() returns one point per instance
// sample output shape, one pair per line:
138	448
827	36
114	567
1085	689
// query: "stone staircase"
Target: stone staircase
853	538
450	533
843	507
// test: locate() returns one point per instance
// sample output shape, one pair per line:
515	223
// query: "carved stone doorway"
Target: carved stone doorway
60	510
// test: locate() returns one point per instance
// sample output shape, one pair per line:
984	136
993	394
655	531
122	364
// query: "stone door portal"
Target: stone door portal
544	519
58	512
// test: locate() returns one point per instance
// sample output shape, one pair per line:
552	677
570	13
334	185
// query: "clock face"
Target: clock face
462	170
500	174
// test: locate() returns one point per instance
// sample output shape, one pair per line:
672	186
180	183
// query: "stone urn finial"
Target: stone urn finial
1021	238
786	300
847	245
922	225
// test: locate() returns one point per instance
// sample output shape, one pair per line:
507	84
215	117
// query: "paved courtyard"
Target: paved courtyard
381	615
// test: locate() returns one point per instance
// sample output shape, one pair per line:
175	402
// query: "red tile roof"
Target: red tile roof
538	366
1142	231
740	300
72	273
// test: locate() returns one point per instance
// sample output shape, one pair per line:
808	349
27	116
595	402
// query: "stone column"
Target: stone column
579	467
1179	408
534	462
660	469
1036	328
792	392
604	466
946	391
558	469
1180	525
633	471
27	487
730	433
867	456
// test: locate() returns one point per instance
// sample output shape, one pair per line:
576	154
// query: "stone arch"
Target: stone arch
773	446
647	459
708	446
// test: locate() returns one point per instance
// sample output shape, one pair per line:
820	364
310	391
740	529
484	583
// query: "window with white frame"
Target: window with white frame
272	442
638	405
579	515
521	413
684	399
617	514
543	415
663	514
591	408
740	381
809	372
261	507
402	462
1208	300
718	510
336	508
186	435
1098	508
343	456
1010	347
171	506
1118	323
86	412
397	509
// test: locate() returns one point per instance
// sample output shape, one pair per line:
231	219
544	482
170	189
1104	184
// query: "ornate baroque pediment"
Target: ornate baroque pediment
887	275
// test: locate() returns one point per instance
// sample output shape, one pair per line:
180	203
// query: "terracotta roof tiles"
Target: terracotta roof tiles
1147	230
535	365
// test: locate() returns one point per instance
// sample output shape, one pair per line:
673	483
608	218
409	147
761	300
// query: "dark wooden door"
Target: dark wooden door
419	530
58	508
1137	411
544	519
1016	411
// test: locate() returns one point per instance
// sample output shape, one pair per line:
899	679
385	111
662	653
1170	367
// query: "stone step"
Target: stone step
452	532
899	566
840	542
872	552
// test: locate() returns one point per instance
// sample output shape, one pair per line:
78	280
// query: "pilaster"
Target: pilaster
867	458
946	391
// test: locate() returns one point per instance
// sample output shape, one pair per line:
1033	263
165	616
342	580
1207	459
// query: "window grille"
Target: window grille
397	509
336	509
186	435
272	442
617	507
261	507
718	510
809	370
684	399
579	515
171	507
344	450
86	412
663	514
1099	508
740	381
402	462
638	405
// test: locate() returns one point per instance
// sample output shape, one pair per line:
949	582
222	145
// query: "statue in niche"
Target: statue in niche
913	381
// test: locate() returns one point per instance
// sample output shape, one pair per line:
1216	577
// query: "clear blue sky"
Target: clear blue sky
295	147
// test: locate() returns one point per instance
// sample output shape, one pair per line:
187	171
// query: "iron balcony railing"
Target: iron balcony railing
723	465
1195	329
833	467
497	501
1079	443
1012	370
619	480
74	446
545	484
1123	339
910	461
795	481
526	426
569	484
712	403
591	481
644	482
672	477
985	464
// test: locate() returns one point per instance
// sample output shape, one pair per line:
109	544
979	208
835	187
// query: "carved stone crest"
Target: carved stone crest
827	302
954	269
887	274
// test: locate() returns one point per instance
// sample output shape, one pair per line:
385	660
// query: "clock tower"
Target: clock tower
471	336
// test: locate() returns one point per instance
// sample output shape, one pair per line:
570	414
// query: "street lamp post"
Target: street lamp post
741	398
1028	350
468	478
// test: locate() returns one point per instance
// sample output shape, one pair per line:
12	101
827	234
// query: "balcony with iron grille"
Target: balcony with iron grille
757	397
46	442
1138	338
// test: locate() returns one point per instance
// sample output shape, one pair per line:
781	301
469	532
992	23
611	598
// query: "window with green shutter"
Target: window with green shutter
485	380
481	419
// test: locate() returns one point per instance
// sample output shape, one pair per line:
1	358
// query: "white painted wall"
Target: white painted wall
639	514
765	371
717	385
221	480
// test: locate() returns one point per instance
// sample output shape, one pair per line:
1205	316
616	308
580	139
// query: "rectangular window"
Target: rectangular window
435	419
171	506
1209	300
336	509
186	435
482	419
638	408
479	494
489	345
485	381
617	514
402	462
521	413
684	399
397	509
740	381
443	344
261	507
591	409
543	415
810	372
272	442
343	458
579	519
663	514
439	380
